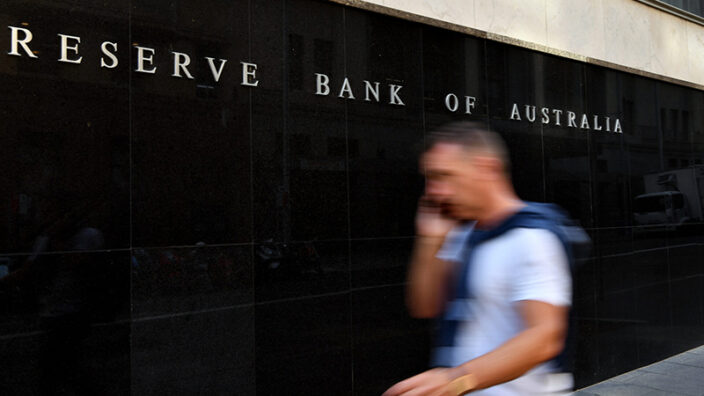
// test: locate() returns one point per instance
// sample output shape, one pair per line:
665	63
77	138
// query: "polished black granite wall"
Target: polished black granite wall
173	236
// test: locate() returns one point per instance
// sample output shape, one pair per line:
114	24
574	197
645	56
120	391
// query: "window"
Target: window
692	10
693	6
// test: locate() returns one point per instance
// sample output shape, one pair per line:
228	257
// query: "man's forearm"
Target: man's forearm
427	278
535	345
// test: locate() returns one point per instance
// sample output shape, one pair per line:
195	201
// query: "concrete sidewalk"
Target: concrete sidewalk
680	375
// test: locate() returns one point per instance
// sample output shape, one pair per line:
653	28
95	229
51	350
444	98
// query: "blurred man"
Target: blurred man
493	268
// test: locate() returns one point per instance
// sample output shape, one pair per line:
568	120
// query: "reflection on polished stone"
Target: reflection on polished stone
303	346
383	142
166	234
300	269
608	152
380	262
191	169
64	134
566	150
270	211
210	352
188	279
65	321
387	343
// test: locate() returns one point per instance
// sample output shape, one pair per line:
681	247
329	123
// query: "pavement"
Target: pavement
680	375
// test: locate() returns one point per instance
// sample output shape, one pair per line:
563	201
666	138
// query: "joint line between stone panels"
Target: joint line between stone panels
607	228
21	335
422	85
347	155
350	317
253	363
57	252
284	125
605	256
392	238
131	163
214	245
327	240
671	319
301	298
251	152
185	313
251	133
129	120
649	250
485	55
422	103
592	211
383	286
625	148
137	320
542	163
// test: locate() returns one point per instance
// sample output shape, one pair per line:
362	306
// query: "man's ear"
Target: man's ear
489	167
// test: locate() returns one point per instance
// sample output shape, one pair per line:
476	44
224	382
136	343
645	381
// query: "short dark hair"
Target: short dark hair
472	135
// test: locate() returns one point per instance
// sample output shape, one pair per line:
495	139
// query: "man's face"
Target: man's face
453	181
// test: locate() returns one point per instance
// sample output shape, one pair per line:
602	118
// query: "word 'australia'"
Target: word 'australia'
371	90
20	39
567	118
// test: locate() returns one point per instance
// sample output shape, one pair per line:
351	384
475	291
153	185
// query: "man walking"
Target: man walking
495	269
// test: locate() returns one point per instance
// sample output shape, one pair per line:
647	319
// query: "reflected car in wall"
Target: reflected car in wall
672	198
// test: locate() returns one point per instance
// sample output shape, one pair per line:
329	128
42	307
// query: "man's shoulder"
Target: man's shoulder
529	245
524	241
531	237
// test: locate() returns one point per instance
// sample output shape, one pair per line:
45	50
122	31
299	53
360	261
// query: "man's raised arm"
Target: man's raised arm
428	275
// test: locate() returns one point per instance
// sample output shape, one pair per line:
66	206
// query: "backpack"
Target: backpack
575	241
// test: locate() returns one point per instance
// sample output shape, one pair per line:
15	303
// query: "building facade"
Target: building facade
218	197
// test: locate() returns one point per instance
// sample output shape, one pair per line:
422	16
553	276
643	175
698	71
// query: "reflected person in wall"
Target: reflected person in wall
72	291
504	315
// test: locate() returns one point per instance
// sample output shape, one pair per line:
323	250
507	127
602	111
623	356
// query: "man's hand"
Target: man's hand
427	276
430	221
433	382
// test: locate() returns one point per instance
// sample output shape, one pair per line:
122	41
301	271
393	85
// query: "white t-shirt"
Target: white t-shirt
521	264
